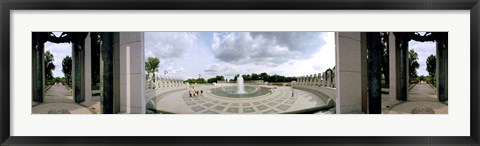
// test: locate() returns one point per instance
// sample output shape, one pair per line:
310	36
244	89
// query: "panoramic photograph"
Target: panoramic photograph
240	72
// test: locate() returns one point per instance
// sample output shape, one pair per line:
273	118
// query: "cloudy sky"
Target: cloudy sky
423	49
59	52
190	54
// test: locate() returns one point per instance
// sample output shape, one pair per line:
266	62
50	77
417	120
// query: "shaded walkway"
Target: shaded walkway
59	100
422	99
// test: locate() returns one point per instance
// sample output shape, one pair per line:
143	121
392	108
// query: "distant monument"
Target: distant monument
240	87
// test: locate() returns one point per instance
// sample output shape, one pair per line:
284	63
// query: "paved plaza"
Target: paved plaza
59	100
422	99
279	101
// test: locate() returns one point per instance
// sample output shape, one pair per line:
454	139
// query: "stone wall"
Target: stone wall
325	79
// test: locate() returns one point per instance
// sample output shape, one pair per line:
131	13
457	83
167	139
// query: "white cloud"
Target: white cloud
423	49
168	45
59	51
265	48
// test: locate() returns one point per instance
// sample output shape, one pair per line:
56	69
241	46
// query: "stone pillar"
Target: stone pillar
309	81
38	69
305	80
320	79
442	66
160	80
87	65
131	73
301	80
106	73
325	80
312	81
78	66
329	82
351	66
403	66
333	79
374	47
394	66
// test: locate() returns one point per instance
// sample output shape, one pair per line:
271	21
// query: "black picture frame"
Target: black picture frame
8	5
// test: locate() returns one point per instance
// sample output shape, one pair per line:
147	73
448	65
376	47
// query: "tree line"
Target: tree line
246	77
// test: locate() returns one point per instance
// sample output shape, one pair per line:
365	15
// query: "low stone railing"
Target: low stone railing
164	83
325	79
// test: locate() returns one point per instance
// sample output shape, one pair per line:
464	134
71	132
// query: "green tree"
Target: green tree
67	68
151	65
431	68
264	76
201	81
215	79
413	64
431	64
255	76
49	66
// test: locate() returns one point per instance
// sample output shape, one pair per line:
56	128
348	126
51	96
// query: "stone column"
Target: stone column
351	63
325	75
78	66
106	73
305	79
302	80
299	80
38	69
329	82
394	66
312	81
309	80
403	63
333	79
320	79
87	65
160	81
131	73
442	66
374	47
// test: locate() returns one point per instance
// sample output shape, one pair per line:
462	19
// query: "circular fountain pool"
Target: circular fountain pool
232	91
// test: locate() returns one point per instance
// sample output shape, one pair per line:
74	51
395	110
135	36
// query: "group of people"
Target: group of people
195	93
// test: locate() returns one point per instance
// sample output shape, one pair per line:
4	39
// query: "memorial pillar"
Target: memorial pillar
374	49
351	63
38	69
401	39
106	73
131	73
442	66
87	65
394	66
78	66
